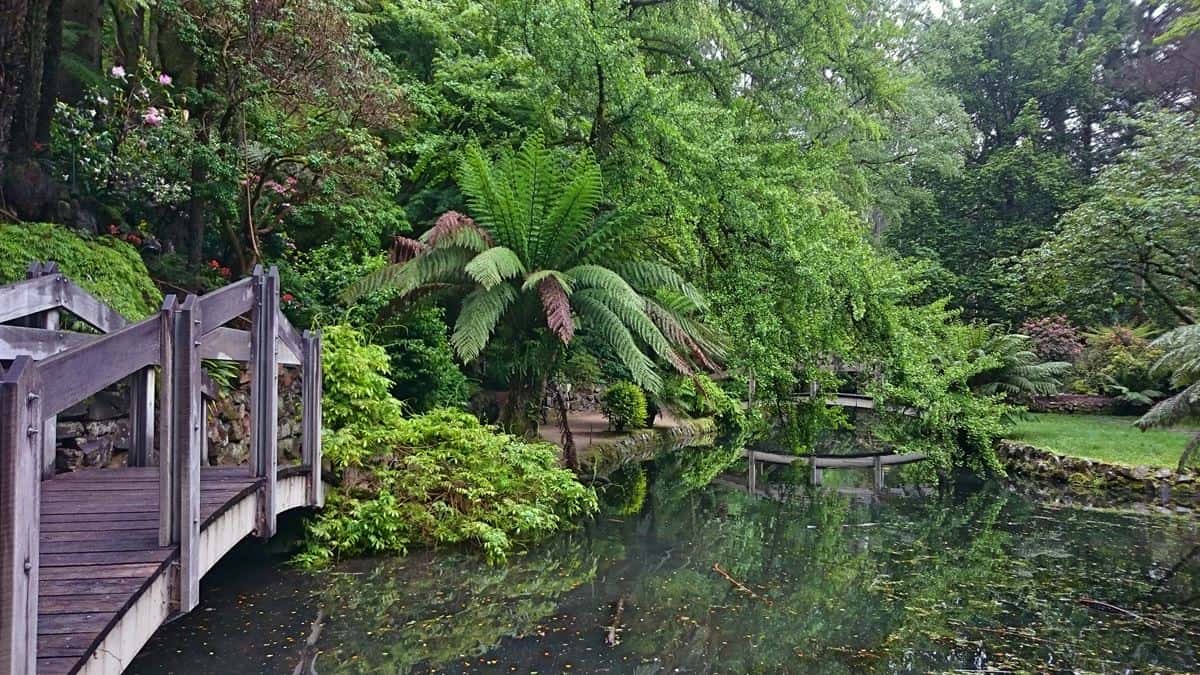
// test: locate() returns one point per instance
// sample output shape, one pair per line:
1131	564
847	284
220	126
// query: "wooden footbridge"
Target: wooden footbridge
876	461
92	562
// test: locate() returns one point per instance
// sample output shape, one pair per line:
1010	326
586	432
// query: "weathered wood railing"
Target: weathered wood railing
52	370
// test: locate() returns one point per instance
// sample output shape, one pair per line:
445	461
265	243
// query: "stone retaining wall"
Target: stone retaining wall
1099	483
95	433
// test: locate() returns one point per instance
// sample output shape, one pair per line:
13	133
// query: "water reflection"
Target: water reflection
985	580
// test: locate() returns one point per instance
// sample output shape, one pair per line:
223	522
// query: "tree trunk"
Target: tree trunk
570	454
519	416
25	43
50	68
86	17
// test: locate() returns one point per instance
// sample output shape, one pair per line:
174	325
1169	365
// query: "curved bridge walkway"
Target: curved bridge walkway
92	562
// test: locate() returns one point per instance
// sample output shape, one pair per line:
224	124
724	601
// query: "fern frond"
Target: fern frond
572	212
388	276
455	229
648	277
556	302
1181	355
494	265
598	276
602	240
481	311
632	312
534	178
607	325
534	278
490	200
1179	408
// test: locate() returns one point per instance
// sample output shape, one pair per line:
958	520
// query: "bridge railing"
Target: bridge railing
52	370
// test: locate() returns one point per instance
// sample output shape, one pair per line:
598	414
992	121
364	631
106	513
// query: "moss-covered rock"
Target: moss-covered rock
109	268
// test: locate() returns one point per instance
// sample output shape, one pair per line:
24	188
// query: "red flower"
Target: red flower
113	229
133	239
213	264
287	297
224	272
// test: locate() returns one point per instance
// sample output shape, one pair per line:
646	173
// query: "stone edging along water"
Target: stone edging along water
604	457
1099	483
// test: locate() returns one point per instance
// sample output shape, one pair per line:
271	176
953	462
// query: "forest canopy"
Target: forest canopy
756	189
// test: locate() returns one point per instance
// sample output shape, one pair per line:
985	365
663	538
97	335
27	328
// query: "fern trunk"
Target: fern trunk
522	406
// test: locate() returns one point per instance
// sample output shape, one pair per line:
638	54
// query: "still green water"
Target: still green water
680	577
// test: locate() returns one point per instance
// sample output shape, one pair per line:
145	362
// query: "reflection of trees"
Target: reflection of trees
900	587
391	618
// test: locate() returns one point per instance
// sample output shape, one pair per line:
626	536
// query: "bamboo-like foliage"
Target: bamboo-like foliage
535	238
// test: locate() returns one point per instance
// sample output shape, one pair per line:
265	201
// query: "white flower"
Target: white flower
118	72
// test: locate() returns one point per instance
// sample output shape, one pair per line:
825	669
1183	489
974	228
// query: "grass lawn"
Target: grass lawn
1102	437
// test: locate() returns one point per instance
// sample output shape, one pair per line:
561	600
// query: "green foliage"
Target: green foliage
624	405
1130	249
423	372
106	266
699	396
438	478
538	262
1180	361
1118	361
1019	371
928	372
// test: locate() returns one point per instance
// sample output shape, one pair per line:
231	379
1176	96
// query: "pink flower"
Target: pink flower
118	72
164	79
152	117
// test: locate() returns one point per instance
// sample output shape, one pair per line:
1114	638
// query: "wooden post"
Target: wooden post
310	376
816	472
264	393
752	476
20	514
49	321
186	446
141	418
168	522
878	473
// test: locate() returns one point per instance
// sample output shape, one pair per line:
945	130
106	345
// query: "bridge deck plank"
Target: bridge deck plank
99	551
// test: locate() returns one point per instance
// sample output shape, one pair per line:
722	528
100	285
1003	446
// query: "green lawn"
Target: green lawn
1102	437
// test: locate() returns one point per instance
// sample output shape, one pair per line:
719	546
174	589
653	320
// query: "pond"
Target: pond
678	576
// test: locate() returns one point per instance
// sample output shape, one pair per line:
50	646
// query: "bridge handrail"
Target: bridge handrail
33	392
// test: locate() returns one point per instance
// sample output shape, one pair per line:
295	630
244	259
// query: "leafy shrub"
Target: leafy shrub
1054	338
108	267
1118	362
624	405
128	145
699	396
423	371
438	478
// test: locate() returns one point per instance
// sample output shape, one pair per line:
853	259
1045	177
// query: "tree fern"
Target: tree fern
481	311
1181	359
495	265
609	327
534	257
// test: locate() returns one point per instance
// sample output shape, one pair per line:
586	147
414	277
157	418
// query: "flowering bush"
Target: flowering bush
1054	338
126	144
